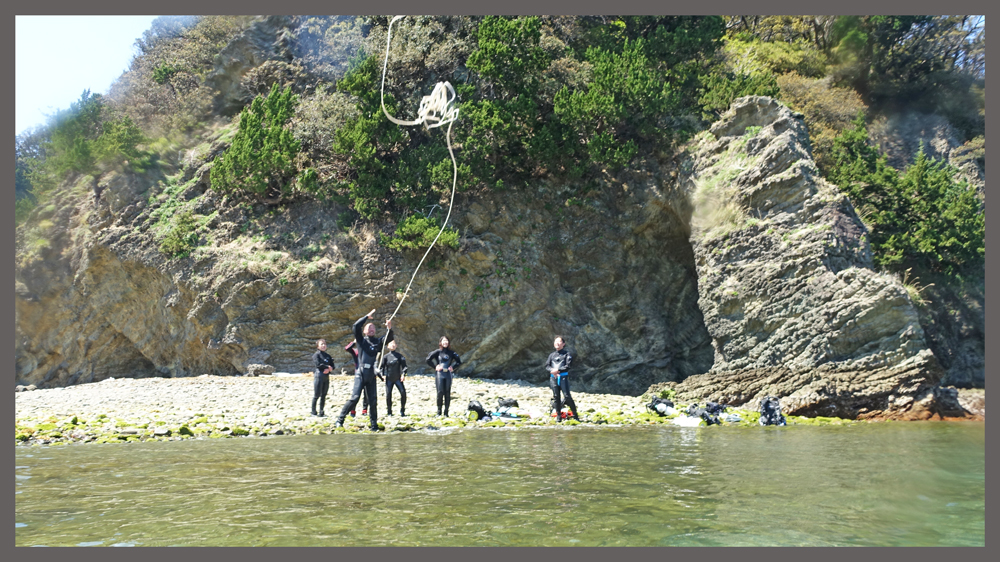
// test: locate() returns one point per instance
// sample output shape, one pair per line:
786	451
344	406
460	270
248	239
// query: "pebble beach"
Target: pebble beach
208	406
117	410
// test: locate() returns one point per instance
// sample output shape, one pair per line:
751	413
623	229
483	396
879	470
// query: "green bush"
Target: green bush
416	232
775	57
500	108
720	88
162	73
531	106
924	218
120	138
261	159
182	237
70	148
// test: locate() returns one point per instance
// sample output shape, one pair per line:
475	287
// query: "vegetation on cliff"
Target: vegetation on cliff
540	96
924	218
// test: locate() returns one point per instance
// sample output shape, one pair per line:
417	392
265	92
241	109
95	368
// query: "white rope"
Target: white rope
435	110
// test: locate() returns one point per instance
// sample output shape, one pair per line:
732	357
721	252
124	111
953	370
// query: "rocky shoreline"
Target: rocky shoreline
208	406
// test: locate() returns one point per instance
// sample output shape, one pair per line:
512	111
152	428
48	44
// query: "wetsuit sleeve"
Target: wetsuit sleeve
352	349
548	364
432	358
358	334
456	359
402	363
321	361
569	360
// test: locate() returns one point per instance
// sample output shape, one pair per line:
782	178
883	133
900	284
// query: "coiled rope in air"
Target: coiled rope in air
435	110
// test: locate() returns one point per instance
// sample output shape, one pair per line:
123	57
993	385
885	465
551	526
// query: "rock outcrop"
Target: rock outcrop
786	282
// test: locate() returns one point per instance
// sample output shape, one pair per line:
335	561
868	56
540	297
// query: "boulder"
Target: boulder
257	369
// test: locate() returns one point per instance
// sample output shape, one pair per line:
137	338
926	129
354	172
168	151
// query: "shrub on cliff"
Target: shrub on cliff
82	139
925	218
261	159
416	232
164	90
776	57
828	110
720	88
182	237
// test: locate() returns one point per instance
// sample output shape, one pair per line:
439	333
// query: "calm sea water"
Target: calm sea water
887	484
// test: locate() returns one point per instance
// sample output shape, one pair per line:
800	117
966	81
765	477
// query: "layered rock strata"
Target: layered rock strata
612	271
786	280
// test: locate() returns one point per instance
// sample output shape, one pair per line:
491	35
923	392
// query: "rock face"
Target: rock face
786	283
733	272
614	275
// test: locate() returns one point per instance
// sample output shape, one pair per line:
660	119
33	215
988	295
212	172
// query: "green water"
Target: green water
887	484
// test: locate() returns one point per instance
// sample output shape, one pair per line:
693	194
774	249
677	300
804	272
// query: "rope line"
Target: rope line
435	110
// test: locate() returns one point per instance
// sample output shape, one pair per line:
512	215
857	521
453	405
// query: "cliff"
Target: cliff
730	270
786	283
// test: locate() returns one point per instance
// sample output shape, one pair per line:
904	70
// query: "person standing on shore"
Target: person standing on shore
444	361
558	368
393	367
321	378
352	349
368	347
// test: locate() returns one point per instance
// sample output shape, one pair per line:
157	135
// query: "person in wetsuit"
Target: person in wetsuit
352	349
368	347
393	368
321	378
558	368
444	361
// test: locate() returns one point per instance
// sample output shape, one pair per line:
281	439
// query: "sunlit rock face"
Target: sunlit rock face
785	277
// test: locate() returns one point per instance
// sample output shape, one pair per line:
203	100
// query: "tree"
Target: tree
261	159
925	218
70	146
644	72
120	138
29	154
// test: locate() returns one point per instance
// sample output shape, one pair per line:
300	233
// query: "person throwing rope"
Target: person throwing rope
368	347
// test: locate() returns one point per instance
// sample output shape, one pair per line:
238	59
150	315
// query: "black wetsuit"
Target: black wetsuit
393	367
321	380
352	348
561	361
446	358
364	376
